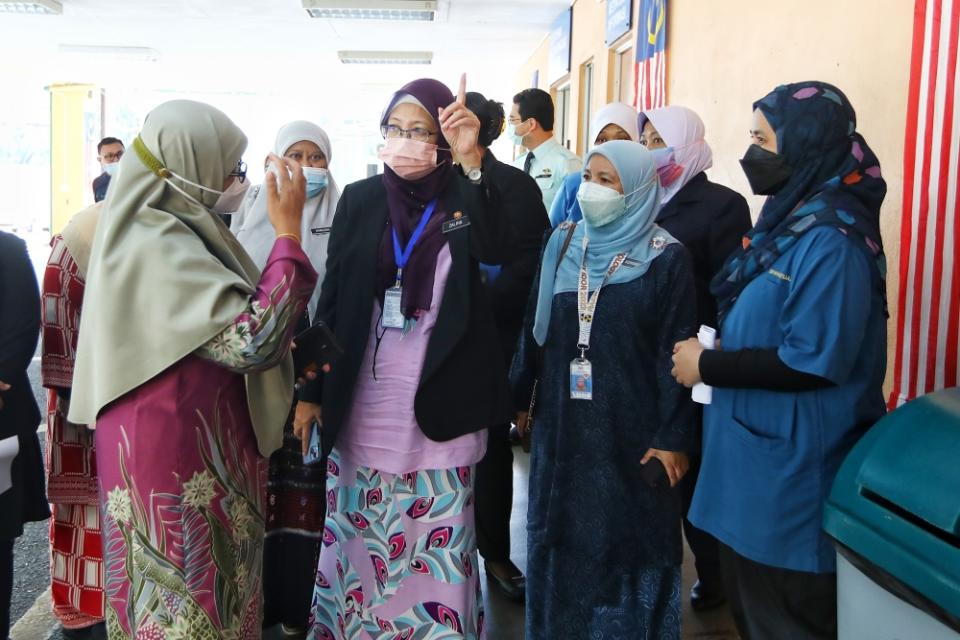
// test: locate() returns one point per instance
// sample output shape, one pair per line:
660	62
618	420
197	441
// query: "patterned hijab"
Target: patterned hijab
836	181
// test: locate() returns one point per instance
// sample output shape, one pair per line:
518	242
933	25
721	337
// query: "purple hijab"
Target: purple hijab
406	202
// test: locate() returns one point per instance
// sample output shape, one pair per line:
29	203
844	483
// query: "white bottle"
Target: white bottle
707	336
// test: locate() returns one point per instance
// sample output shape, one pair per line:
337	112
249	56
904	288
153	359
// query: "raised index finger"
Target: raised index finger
462	92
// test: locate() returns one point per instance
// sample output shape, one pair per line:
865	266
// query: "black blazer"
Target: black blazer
463	384
25	501
710	220
100	184
522	206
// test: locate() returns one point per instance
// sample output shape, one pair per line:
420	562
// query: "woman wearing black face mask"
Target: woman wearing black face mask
802	313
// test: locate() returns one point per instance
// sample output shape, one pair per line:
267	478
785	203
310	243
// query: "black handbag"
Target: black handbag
525	440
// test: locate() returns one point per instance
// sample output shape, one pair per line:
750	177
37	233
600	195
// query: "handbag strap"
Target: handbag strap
571	227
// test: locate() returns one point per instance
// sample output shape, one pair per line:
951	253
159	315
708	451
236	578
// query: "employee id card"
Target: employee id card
392	312
581	379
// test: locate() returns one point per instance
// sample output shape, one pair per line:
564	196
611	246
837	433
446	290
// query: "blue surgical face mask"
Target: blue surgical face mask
512	134
317	181
600	205
111	169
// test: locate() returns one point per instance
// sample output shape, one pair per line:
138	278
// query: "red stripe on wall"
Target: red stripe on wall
949	65
909	161
923	213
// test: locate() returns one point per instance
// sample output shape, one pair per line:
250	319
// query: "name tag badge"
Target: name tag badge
392	313
581	379
319	231
458	221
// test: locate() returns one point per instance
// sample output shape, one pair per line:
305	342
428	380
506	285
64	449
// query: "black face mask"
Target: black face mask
766	171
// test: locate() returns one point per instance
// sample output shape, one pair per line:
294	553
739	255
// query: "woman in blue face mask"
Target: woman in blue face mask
612	428
295	492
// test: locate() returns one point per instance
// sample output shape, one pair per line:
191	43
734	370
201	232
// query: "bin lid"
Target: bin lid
896	498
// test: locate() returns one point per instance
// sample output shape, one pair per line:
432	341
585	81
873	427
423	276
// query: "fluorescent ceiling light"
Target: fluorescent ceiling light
371	9
385	57
50	7
143	54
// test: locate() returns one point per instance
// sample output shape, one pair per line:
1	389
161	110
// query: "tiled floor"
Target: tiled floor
505	619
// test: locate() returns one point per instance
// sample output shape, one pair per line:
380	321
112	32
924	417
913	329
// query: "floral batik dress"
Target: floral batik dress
182	480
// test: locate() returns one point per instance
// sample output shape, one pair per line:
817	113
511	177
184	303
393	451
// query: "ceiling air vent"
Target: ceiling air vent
371	9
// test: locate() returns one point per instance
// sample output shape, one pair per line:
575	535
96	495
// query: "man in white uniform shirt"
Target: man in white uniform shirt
531	125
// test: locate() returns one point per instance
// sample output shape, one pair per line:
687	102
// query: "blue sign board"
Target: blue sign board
619	19
560	46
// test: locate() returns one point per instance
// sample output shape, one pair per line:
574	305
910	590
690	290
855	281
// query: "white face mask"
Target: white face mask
600	205
231	199
111	169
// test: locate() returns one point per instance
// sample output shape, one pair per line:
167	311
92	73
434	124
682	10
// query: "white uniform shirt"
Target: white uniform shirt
552	162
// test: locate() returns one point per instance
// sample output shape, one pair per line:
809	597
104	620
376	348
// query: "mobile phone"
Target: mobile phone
316	347
654	474
314	451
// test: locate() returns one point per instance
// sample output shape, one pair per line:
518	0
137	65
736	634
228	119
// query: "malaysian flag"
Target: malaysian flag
650	69
929	299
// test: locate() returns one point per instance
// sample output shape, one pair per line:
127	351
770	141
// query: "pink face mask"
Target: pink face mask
409	159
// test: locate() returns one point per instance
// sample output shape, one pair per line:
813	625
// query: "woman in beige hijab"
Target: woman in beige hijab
183	364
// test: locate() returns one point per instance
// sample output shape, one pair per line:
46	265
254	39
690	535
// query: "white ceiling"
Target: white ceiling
223	44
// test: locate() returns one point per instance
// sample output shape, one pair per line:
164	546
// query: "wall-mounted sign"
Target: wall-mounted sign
560	46
619	19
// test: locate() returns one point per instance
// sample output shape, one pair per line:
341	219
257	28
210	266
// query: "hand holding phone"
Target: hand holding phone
314	450
315	347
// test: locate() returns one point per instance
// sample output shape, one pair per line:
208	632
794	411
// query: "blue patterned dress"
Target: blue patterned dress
604	549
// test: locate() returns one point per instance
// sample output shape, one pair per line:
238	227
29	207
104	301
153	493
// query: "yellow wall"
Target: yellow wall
74	125
722	56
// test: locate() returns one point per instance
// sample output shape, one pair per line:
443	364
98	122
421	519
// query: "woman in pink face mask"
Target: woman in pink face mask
405	410
710	220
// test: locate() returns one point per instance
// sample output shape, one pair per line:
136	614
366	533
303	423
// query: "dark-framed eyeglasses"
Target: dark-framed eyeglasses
417	133
112	157
240	173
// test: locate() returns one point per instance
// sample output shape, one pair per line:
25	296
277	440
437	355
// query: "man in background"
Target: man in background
109	152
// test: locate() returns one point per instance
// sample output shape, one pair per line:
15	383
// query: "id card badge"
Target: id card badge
581	379
392	313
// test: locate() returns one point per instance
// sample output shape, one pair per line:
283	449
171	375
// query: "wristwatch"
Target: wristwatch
474	175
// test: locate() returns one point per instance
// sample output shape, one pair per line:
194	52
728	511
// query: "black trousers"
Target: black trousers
770	603
704	546
6	586
493	496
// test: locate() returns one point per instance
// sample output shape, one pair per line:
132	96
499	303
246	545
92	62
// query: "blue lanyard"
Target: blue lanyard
402	256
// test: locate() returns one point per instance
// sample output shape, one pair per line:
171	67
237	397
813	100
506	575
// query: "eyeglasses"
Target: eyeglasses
240	173
111	157
417	133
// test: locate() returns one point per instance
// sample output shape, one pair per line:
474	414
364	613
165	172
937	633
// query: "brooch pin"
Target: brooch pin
657	243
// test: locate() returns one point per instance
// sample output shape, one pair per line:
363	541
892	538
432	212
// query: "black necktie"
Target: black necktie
528	162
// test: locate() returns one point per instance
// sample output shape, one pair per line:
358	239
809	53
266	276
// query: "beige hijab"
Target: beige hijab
78	236
165	274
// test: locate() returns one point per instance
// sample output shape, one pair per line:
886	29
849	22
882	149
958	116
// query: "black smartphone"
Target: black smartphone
316	347
654	474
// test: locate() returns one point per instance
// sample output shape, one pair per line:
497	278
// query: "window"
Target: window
623	76
586	99
561	120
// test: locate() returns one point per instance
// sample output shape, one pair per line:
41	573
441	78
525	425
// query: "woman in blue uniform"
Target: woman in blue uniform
803	317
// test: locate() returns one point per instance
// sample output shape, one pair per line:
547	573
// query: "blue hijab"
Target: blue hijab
836	181
635	232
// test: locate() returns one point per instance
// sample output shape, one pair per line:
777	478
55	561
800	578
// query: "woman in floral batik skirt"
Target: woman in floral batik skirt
183	364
